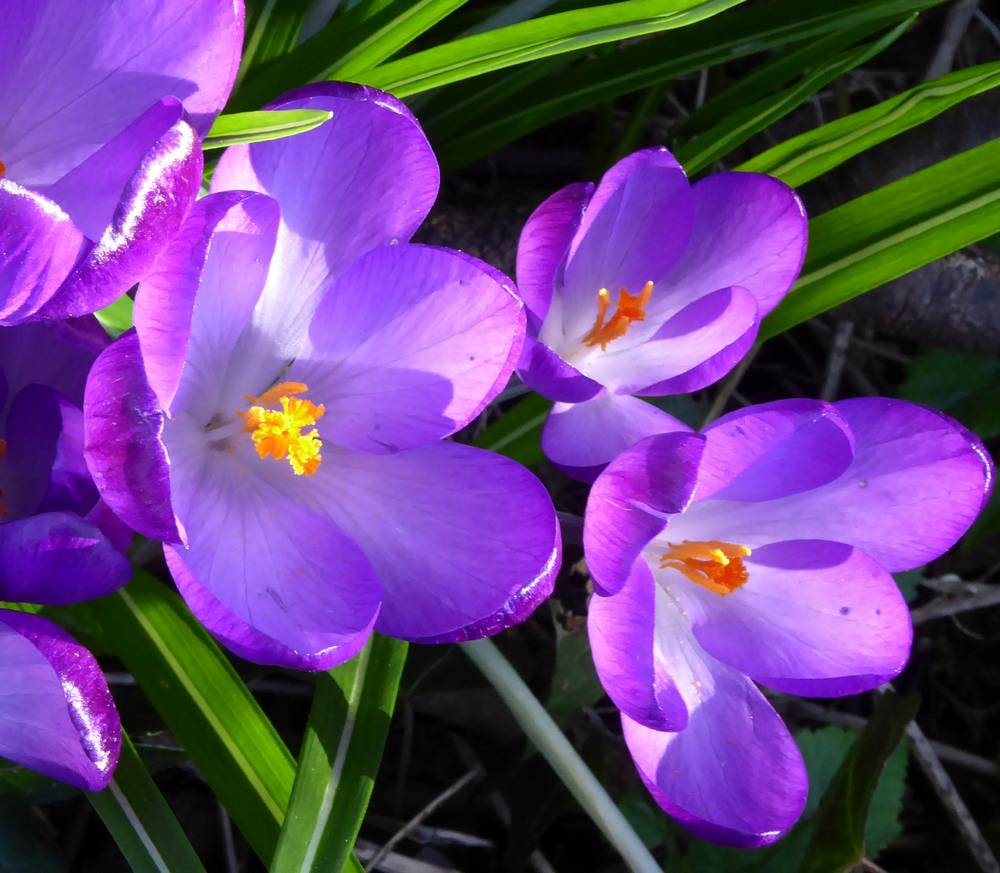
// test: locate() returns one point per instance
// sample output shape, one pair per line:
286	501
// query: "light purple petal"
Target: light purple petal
465	542
284	584
581	438
149	212
689	339
123	423
365	179
632	500
56	712
542	370
544	245
748	230
190	311
815	618
39	246
622	642
408	345
58	558
77	74
917	481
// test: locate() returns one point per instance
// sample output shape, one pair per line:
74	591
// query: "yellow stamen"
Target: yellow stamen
277	433
714	565
631	307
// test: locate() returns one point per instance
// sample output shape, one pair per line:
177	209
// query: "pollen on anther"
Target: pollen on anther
280	433
631	307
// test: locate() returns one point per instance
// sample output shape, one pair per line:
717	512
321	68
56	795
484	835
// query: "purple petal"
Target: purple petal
149	212
57	715
697	333
465	542
581	438
815	618
916	482
77	74
45	469
749	230
542	370
39	245
191	310
365	179
632	500
58	558
635	228
123	423
263	571
544	245
406	368
622	631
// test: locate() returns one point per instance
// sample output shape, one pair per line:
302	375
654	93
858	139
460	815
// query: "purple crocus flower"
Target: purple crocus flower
277	417
98	161
646	285
58	544
761	551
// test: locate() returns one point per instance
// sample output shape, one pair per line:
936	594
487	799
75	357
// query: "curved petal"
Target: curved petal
191	310
542	370
632	500
365	179
815	618
123	424
149	212
748	230
284	584
58	716
635	228
413	366
581	438
76	74
543	246
690	338
58	558
39	246
465	542
622	630
916	482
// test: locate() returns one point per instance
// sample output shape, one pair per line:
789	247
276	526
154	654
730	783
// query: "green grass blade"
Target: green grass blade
141	822
540	38
273	33
243	127
743	123
116	318
203	701
892	231
811	154
517	432
340	757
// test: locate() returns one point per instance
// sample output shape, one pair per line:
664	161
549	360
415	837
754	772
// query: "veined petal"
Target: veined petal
542	370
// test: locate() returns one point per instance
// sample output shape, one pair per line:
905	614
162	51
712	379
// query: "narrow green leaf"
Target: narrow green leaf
838	844
141	822
205	704
274	33
743	123
243	127
817	151
340	757
745	31
892	231
540	38
517	432
116	318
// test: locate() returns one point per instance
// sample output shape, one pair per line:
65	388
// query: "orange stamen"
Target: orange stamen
631	307
3	168
714	565
278	433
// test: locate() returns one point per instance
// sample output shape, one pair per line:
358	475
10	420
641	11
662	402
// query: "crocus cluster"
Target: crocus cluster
279	417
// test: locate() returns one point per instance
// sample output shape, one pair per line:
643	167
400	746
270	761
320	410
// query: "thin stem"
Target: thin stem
539	727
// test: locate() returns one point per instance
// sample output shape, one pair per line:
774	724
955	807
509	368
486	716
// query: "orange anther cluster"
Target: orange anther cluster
631	307
714	565
277	433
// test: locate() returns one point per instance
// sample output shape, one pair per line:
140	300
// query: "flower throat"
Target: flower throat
714	565
631	307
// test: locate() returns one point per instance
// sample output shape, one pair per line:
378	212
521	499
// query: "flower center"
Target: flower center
631	307
714	565
277	433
